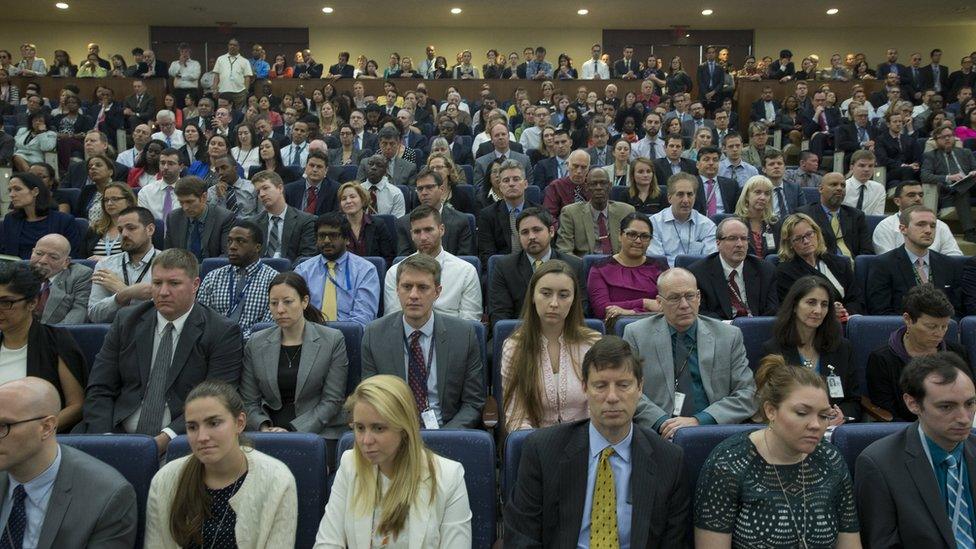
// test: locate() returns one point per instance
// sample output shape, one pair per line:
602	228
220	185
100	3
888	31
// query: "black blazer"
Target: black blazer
297	233
893	275
494	230
457	239
143	109
546	509
46	345
662	170
344	71
510	280
927	78
884	377
464	203
841	358
852	224
788	272
215	231
730	194
78	176
487	147
209	347
461	152
846	139
758	110
379	242
811	126
760	281
890	155
327	197
710	81
547	171
622	67
776	71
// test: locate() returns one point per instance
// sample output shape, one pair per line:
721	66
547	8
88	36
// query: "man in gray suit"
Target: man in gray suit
431	189
155	353
698	120
398	170
695	367
904	482
53	496
197	226
67	284
499	140
592	227
289	232
438	355
945	166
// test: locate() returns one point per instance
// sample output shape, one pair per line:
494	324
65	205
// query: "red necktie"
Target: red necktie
710	195
604	238
373	204
823	121
42	298
311	200
417	371
738	307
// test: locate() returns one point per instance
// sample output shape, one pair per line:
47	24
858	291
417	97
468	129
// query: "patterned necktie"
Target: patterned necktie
374	205
963	528
196	239
330	303
231	199
578	194
417	371
711	206
603	238
735	296
311	200
603	513
274	239
154	399
13	533
516	243
839	235
784	208
860	197
296	155
536	264
923	275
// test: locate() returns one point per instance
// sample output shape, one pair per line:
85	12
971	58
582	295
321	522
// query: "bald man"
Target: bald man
67	286
571	188
53	496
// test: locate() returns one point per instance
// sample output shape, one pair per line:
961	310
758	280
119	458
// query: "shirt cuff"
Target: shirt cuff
657	424
169	432
704	418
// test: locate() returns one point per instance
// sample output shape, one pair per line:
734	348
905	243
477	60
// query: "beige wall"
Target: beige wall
73	38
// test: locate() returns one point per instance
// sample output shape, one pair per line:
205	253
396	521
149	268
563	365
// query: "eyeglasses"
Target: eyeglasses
803	237
638	237
5	427
690	297
735	238
114	199
7	304
334	237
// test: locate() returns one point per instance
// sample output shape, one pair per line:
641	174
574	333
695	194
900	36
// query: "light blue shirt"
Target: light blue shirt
357	286
38	491
696	236
740	172
621	465
426	339
912	258
533	67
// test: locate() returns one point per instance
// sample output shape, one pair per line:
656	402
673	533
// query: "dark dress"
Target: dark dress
650	206
288	360
218	530
374	240
739	493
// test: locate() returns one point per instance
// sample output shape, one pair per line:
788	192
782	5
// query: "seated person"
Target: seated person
718	194
251	497
585	227
159	195
30	348
397	169
197	226
104	237
510	277
861	191
370	236
231	191
626	282
927	313
571	189
843	227
947	165
741	493
89	204
541	361
123	279
239	290
496	222
807	333
643	191
433	507
32	215
452	399
431	190
67	285
314	193
460	295
887	234
384	197
804	253
289	232
755	209
343	285
894	273
88	503
698	350
680	229
732	283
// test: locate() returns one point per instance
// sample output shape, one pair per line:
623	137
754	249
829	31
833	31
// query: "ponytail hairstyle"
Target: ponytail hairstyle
297	283
776	380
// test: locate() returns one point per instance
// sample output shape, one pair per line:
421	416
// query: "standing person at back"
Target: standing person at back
233	74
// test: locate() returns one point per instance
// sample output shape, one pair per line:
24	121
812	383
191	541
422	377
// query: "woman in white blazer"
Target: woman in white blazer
222	495
391	491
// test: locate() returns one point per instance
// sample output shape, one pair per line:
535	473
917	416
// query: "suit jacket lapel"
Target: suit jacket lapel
721	285
268	355
905	268
642	490
706	355
144	336
192	330
311	346
922	474
573	468
442	354
288	227
751	275
665	358
58	504
525	271
590	231
208	229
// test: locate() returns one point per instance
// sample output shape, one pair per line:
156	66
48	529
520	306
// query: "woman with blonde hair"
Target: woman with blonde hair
541	362
755	209
643	191
391	490
703	138
104	238
224	494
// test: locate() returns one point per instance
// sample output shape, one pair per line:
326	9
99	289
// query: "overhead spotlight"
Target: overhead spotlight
582	11
62	5
328	9
688	35
707	12
832	11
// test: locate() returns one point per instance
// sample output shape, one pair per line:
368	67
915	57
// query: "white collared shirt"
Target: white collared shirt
740	279
874	196
389	197
887	237
460	289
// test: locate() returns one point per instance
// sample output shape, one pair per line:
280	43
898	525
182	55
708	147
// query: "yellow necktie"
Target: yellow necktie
330	303
603	513
536	264
839	235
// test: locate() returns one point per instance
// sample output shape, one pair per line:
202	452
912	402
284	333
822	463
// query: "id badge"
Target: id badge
834	387
770	242
429	419
679	402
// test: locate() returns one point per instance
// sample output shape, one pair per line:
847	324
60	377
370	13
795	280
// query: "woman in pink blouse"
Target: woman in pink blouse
626	282
542	359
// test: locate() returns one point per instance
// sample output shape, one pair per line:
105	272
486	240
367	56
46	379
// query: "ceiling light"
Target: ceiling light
61	5
456	11
832	11
688	36
328	9
707	12
582	11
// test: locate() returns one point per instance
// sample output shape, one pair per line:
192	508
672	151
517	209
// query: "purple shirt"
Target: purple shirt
611	283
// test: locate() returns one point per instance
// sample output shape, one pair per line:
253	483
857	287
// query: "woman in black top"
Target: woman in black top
61	197
643	192
678	80
270	159
564	69
370	236
574	123
193	148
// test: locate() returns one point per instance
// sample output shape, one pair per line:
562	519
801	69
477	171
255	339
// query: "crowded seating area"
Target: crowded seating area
647	302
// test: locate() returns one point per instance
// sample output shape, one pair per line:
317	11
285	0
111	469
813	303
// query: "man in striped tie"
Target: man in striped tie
915	487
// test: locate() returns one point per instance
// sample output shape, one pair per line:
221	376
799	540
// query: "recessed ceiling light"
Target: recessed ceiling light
707	12
456	11
61	5
328	9
832	11
582	11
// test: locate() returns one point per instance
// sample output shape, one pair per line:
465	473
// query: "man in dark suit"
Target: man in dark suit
852	237
511	274
896	151
197	226
500	146
431	190
399	170
892	84
718	194
314	193
819	123
460	147
673	163
487	146
157	352
626	67
444	355
108	115
894	273
204	118
556	166
95	143
766	108
783	70
566	472
711	78
496	223
342	69
787	196
965	77
698	121
722	275
947	165
859	134
139	107
289	232
935	76
362	140
891	65
150	67
87	503
904	482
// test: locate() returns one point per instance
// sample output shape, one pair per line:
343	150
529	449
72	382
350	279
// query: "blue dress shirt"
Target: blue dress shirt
621	465
38	491
426	340
696	236
357	286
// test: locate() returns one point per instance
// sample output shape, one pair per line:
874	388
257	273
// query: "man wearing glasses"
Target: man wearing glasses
695	367
53	495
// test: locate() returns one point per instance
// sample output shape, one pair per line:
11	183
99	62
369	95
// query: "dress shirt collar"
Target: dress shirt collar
827	210
728	268
381	186
596	214
249	269
691	332
38	487
667	215
912	258
427	329
340	261
517	209
544	257
177	324
598	443
148	256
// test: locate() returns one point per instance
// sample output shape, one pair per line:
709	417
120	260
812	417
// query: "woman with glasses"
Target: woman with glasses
804	253
29	348
755	209
32	215
626	282
346	154
104	237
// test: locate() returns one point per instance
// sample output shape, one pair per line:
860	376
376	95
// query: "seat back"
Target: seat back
685	261
468	173
467	191
851	439
967	329
755	331
619	193
698	443
622	322
389	221
81	224
89	338
410	200
380	265
811	195
533	194
510	461
872	222
347	173
862	270
352	333
304	454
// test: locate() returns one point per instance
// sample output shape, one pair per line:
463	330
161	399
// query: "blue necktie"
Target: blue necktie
13	533
296	155
196	237
231	200
963	528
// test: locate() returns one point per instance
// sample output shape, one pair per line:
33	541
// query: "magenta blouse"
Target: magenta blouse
611	283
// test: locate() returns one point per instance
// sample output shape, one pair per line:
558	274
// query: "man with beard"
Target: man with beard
123	279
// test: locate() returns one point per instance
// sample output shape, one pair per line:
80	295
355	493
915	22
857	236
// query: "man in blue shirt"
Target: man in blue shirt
538	68
259	65
680	229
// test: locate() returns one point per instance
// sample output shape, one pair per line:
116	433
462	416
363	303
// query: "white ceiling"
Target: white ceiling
619	14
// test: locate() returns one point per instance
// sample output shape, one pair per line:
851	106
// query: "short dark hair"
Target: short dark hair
946	366
20	279
926	299
771	154
319	155
170	151
334	219
427	172
630	218
611	352
190	185
900	187
542	214
256	233
423	212
145	215
389	134
731	133
710	149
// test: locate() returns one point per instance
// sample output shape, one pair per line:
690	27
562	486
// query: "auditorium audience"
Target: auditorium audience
104	237
946	166
887	235
626	283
